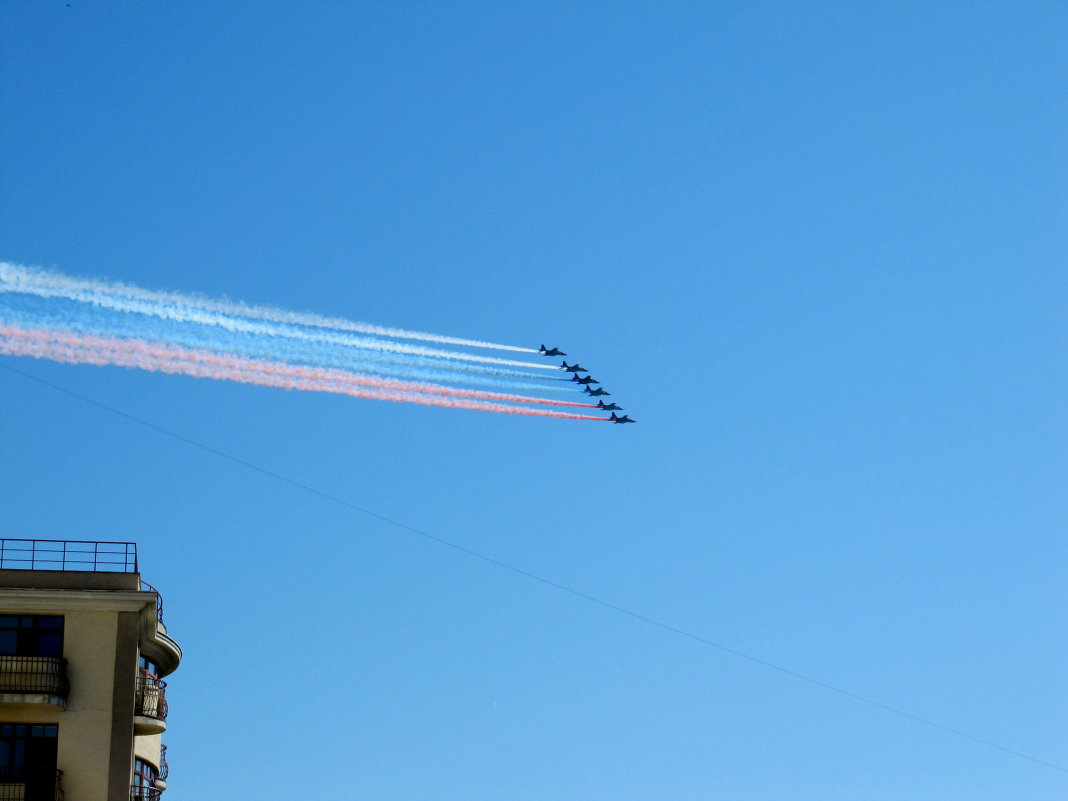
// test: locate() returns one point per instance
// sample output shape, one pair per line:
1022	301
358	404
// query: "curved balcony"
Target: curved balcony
34	679
145	794
150	706
155	643
30	784
161	649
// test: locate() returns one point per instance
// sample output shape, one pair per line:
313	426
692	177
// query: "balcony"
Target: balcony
30	784
150	706
33	679
143	794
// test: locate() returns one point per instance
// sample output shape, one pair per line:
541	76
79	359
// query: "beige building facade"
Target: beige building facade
83	656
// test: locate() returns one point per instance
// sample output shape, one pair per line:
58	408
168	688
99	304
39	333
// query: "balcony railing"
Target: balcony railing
159	599
19	783
85	555
145	794
150	699
164	767
34	674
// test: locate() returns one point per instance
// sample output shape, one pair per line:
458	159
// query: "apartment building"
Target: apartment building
83	656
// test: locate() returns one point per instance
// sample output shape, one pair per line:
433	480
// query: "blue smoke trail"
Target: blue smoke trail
59	314
131	299
31	279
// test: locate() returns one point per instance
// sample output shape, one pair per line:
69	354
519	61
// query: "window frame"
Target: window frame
27	747
28	636
144	774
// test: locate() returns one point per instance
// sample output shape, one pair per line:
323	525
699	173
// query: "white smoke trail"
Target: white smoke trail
14	278
322	376
16	274
88	320
28	343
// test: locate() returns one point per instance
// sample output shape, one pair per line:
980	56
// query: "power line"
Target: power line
535	577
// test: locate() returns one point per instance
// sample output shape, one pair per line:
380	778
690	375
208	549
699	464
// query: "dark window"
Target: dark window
31	635
28	757
148	667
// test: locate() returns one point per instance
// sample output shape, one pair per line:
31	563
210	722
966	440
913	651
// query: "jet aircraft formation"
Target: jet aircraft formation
45	314
586	383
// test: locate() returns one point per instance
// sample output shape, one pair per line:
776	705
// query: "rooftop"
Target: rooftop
72	564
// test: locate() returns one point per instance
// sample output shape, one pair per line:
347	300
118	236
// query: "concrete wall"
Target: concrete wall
69	579
84	728
147	747
84	734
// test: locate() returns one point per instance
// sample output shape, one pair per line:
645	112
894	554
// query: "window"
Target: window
31	635
148	667
28	757
144	779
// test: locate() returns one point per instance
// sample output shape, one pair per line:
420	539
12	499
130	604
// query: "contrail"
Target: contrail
49	315
30	311
77	349
205	317
36	281
181	313
167	351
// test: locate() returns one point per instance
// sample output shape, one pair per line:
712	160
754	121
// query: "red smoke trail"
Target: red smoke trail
158	350
79	349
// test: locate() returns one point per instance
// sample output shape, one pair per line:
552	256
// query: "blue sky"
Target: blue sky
817	250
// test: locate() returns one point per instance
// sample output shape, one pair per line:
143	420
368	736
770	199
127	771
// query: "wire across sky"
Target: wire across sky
572	591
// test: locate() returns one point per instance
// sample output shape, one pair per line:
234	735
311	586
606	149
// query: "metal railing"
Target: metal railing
150	699
34	674
18	783
164	767
145	794
85	555
159	599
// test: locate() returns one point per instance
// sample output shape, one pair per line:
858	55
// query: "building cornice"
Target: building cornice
26	599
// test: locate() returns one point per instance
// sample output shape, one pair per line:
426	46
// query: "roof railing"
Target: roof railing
83	555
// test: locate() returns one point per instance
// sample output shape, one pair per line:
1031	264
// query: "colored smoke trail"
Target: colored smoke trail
205	317
167	351
15	278
78	349
29	311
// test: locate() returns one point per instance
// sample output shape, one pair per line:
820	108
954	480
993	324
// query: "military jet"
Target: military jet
609	407
593	393
551	351
589	379
624	419
573	368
